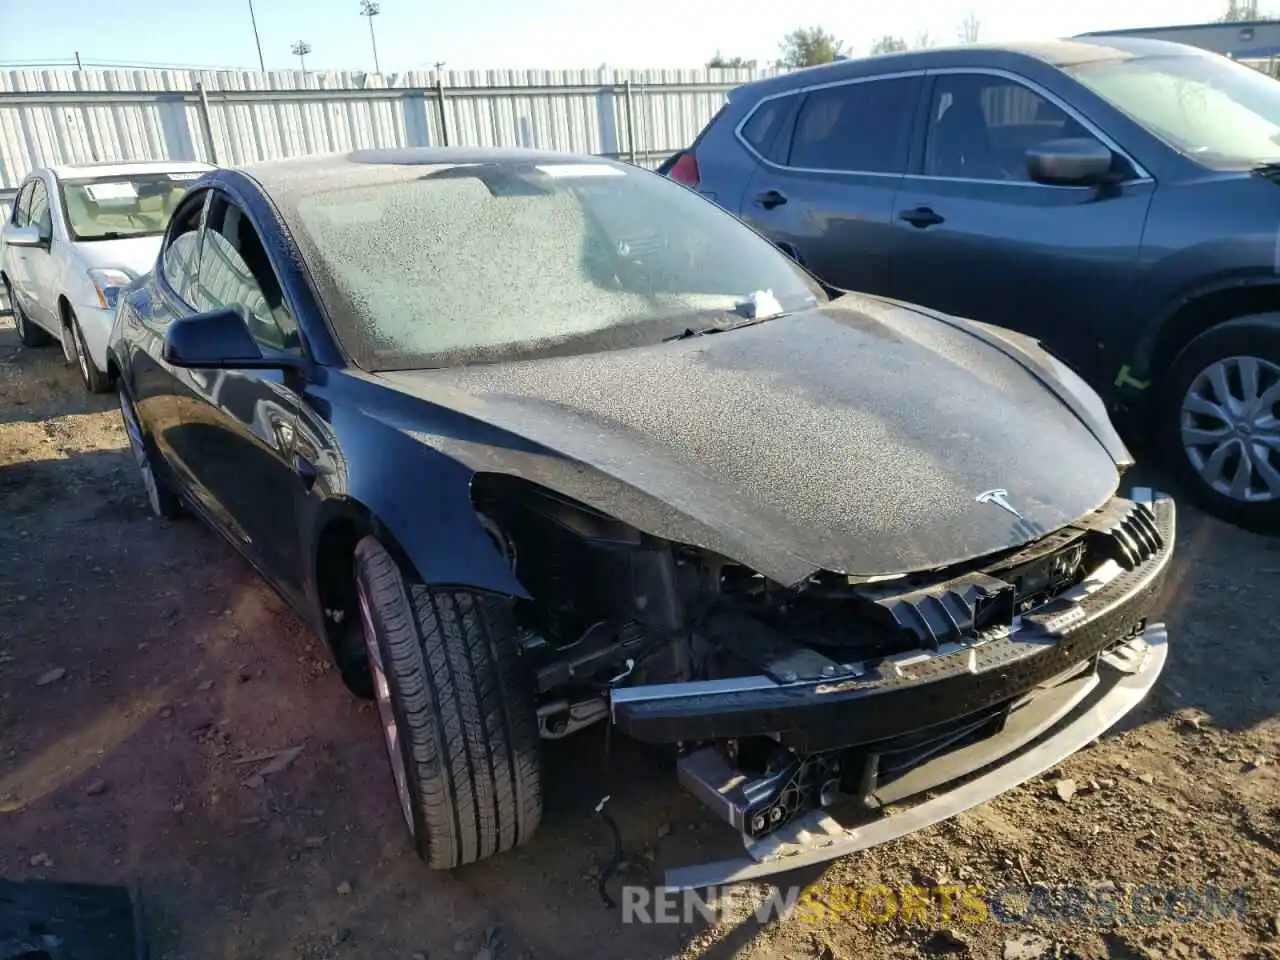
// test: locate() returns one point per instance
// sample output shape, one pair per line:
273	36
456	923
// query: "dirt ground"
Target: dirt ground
147	676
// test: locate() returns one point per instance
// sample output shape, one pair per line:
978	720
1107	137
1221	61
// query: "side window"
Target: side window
856	127
981	126
22	205
763	128
182	248
38	215
235	272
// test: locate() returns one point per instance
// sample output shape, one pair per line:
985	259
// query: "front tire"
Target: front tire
457	712
94	380
163	502
28	333
1219	421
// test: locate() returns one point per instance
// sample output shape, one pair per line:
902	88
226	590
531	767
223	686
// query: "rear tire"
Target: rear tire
457	710
94	380
28	333
1217	421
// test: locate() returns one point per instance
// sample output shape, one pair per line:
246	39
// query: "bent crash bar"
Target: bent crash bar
1125	675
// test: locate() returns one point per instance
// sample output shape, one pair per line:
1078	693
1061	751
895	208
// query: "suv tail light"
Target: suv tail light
685	170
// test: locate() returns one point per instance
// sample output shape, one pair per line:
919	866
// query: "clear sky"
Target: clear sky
479	34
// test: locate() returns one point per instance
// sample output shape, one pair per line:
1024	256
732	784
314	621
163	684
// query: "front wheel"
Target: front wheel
161	500
456	710
94	380
1219	421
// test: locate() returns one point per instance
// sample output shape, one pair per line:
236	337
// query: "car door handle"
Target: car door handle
921	217
770	199
305	469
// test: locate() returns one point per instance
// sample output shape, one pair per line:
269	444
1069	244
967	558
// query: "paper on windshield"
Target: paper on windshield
567	170
106	192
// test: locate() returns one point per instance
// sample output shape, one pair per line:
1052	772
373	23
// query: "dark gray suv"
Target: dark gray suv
1118	200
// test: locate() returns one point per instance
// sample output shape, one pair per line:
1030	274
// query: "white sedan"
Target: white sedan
74	238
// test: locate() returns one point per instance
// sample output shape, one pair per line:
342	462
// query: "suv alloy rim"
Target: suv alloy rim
1230	431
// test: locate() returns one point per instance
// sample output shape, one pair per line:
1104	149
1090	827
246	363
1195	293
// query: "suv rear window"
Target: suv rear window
856	127
761	130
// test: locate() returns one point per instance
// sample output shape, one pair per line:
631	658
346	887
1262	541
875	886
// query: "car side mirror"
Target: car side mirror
23	236
217	340
1070	161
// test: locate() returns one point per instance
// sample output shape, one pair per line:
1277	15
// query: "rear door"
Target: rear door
238	425
829	166
980	239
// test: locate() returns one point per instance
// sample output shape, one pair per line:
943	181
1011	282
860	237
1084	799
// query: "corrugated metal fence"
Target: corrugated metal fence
56	116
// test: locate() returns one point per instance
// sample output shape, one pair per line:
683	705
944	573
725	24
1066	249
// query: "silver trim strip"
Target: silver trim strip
819	845
1141	177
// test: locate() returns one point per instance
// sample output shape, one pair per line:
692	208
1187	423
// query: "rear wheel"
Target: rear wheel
162	501
456	711
94	380
1220	421
28	333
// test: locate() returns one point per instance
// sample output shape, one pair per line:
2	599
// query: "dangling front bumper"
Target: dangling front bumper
1039	734
964	720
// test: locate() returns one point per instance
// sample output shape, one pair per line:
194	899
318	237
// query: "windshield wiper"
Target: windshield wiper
109	235
757	308
721	327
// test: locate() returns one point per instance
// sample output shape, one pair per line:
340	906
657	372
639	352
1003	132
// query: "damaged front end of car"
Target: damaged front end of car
891	702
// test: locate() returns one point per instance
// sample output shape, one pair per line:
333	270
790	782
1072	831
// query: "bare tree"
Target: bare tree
888	44
809	46
970	28
923	41
1239	11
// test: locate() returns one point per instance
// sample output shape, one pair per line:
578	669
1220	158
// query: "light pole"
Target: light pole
254	20
370	9
300	50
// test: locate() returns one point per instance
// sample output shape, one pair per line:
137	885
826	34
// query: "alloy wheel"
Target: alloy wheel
139	450
82	353
1230	431
386	712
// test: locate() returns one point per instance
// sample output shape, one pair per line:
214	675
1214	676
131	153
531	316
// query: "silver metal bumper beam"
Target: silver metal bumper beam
1126	675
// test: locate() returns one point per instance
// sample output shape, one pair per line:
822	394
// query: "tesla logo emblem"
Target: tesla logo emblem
1000	498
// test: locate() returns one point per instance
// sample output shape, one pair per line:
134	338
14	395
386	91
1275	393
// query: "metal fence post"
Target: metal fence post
206	124
444	116
631	124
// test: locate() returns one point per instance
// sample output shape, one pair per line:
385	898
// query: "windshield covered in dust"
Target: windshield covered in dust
436	265
1221	113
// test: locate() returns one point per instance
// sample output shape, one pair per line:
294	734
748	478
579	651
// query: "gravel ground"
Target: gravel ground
147	677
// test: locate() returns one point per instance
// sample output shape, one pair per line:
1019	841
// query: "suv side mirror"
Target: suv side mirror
1071	161
218	340
23	236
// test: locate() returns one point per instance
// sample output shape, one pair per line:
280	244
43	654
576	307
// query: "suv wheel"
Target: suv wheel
1220	421
456	710
28	333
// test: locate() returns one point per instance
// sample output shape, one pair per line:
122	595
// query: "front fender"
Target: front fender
417	499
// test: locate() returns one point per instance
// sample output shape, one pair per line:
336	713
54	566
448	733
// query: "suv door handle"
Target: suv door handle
921	217
771	198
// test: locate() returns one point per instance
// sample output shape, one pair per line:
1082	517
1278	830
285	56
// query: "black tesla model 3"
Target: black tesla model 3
539	442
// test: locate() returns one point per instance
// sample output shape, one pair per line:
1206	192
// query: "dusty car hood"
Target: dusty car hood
855	438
